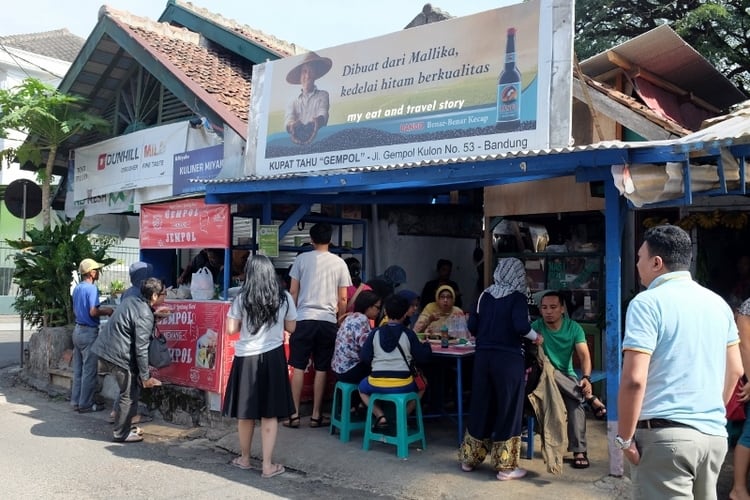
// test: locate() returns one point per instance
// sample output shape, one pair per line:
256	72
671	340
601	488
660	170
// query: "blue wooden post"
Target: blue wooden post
614	222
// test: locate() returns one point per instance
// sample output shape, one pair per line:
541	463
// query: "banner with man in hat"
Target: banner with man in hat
424	93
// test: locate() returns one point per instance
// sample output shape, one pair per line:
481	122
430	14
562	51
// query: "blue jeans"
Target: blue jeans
85	366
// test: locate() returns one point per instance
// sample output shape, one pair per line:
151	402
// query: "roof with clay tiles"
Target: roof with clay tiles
59	44
280	47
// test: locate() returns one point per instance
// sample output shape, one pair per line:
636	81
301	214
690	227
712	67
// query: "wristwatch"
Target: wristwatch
623	444
587	377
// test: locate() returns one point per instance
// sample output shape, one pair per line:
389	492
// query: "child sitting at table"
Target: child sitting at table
391	350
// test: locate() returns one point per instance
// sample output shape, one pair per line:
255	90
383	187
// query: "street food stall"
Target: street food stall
201	352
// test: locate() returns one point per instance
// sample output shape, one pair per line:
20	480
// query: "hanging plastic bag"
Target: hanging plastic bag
202	284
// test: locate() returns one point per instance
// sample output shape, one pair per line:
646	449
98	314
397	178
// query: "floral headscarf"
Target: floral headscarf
509	276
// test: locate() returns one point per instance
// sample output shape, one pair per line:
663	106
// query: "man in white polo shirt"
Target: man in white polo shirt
680	364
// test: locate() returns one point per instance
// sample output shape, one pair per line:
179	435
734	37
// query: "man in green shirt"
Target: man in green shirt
563	337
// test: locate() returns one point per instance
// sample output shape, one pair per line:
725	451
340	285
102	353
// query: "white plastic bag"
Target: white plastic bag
202	284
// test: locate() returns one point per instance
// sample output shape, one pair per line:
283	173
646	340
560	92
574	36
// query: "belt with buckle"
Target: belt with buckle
658	423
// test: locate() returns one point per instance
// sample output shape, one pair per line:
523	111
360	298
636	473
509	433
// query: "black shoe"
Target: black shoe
94	407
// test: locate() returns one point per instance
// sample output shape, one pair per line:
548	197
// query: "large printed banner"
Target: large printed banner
468	86
201	353
136	160
185	224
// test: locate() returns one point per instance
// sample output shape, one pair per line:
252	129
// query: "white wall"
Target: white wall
418	255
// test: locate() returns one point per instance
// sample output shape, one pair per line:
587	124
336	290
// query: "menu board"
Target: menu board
201	353
185	224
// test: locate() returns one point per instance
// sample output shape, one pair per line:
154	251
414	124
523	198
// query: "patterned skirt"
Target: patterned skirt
504	455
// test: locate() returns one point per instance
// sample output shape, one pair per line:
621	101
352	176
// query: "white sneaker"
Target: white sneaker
516	473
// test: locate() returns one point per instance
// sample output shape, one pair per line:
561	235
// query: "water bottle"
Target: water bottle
444	338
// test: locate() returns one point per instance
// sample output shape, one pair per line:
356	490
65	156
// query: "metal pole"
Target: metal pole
23	237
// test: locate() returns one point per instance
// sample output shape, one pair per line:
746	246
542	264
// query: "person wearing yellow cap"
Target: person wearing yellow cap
87	312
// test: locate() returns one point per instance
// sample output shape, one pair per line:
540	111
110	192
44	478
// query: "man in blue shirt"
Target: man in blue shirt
681	361
87	312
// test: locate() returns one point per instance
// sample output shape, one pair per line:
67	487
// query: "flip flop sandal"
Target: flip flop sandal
600	412
321	421
278	469
581	462
380	425
137	430
292	423
466	468
237	462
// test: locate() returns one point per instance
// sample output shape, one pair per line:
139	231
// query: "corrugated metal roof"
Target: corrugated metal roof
662	52
599	146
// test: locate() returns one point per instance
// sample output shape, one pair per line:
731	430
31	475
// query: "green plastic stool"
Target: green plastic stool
402	439
341	417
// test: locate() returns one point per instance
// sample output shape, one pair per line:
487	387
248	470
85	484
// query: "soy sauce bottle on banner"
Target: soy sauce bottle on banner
509	89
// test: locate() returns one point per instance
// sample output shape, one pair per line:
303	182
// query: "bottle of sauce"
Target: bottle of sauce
509	89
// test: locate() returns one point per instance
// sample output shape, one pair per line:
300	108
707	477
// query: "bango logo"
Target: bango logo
101	162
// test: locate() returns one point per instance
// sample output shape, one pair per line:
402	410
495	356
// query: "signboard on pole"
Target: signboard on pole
467	86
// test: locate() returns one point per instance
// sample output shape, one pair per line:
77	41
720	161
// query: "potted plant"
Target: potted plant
46	265
116	287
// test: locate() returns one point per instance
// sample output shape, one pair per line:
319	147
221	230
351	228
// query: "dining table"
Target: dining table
458	353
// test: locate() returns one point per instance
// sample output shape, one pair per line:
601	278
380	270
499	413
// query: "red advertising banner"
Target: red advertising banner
201	353
185	224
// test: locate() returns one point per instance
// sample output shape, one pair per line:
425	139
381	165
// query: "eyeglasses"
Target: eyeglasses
377	306
161	294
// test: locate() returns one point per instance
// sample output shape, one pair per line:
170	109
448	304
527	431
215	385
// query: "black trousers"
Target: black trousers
126	406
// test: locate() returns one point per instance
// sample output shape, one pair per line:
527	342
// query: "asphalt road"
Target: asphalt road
48	451
10	341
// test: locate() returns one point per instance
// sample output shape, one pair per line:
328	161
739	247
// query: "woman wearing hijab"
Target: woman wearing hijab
435	315
499	323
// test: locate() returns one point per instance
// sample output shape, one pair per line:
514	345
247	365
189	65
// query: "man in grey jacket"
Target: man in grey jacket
122	347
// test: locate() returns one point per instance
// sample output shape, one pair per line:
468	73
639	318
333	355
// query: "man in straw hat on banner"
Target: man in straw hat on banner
308	112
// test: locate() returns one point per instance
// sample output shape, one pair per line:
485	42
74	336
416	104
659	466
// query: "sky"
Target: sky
312	24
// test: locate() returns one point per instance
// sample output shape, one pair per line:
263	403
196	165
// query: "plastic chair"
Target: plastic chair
403	438
341	417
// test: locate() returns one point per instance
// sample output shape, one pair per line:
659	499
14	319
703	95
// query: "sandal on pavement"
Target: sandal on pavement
516	473
132	438
321	421
277	469
597	407
94	407
237	462
580	460
380	425
292	423
137	430
466	467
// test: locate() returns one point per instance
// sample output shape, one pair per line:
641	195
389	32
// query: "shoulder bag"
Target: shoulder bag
735	408
416	373
158	352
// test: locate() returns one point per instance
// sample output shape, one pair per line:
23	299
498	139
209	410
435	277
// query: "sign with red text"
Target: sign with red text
201	357
185	224
137	160
467	86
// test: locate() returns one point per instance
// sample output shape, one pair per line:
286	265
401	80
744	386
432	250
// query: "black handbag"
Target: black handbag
158	352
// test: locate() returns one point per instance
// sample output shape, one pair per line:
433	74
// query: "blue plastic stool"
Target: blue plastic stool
402	439
341	417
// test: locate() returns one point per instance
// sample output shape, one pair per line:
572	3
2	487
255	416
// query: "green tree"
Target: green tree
718	30
45	265
49	118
